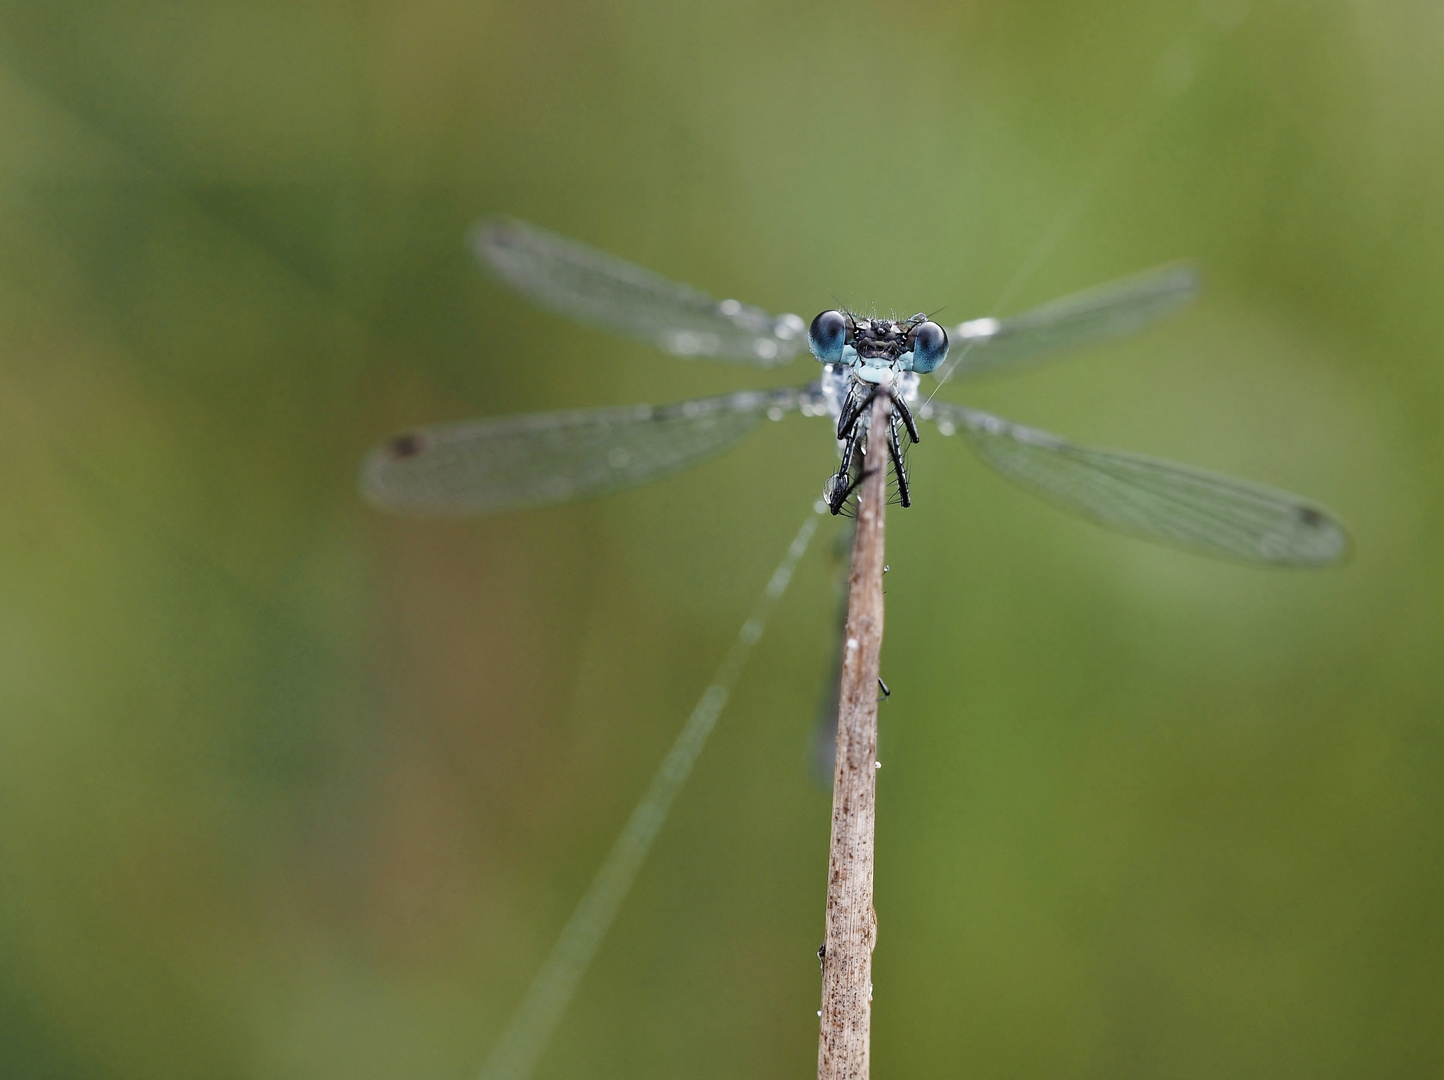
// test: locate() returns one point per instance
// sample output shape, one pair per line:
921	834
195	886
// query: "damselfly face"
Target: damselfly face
878	349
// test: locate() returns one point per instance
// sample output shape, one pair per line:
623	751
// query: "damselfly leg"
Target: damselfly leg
895	451
841	484
852	431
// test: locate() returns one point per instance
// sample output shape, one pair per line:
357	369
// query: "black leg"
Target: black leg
856	480
894	449
853	408
839	488
907	417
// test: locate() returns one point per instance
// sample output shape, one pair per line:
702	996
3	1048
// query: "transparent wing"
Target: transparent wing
1157	500
456	470
593	287
1107	311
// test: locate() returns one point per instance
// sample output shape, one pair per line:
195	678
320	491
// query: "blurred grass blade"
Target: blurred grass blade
530	1028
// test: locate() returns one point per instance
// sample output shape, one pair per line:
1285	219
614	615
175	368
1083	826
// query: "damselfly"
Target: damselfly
507	463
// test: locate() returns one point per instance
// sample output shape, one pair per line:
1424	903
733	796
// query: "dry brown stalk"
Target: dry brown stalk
842	1052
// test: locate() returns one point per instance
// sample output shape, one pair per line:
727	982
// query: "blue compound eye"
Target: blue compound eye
827	336
930	346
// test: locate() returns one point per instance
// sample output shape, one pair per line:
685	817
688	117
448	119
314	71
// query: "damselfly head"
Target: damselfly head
915	344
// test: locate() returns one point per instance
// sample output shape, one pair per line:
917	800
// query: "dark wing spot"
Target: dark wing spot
1310	517
408	445
501	235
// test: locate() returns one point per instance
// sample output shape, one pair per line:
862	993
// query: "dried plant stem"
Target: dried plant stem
842	1052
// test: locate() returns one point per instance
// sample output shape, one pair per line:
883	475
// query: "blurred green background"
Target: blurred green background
290	789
